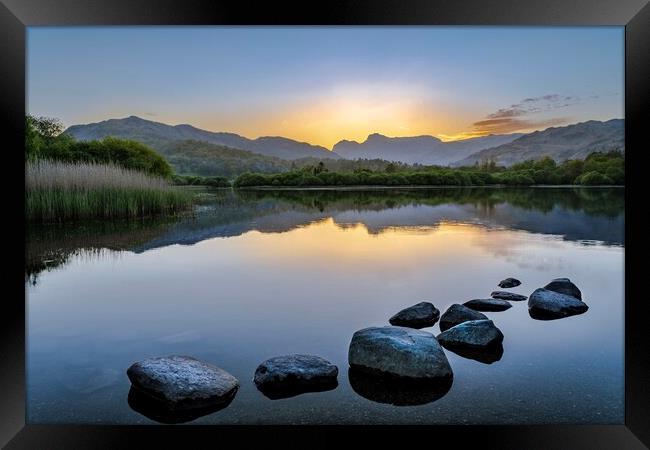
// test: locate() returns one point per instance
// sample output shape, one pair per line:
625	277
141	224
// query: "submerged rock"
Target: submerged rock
398	351
564	286
471	334
457	314
422	315
509	283
488	304
182	382
398	391
290	375
510	296
545	304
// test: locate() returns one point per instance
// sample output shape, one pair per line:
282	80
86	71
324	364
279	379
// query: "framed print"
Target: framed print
297	221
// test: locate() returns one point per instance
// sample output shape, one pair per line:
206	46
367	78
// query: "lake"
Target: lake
254	274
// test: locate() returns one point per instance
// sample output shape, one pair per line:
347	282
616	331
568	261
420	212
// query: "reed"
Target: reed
58	191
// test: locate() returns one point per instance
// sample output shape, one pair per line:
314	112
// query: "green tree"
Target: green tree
391	168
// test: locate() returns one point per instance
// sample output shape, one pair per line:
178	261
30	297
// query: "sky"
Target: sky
325	84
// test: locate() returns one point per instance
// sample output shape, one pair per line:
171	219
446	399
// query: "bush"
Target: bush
44	140
593	178
250	179
514	179
192	180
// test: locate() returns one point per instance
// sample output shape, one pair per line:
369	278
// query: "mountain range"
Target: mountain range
428	150
156	134
561	143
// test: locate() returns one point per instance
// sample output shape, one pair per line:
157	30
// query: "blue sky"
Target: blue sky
324	84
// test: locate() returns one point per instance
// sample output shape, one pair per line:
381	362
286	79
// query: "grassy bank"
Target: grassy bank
59	191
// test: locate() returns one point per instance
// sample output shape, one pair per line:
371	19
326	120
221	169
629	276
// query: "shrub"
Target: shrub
594	178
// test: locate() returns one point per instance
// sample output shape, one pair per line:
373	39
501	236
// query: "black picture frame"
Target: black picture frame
16	15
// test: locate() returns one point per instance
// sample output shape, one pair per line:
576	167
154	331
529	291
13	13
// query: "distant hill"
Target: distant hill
428	150
203	158
192	150
560	143
156	135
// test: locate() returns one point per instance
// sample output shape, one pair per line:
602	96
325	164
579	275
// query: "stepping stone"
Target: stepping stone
510	296
422	315
457	314
473	334
291	375
182	382
398	351
509	283
488	304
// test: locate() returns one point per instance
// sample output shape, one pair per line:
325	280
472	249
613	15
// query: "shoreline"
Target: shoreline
382	187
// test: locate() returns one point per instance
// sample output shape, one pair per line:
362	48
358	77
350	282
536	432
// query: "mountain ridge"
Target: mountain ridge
575	141
157	134
423	149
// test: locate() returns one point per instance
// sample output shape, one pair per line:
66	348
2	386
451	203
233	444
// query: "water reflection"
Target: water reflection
52	246
488	355
576	214
397	391
290	389
157	411
347	260
540	314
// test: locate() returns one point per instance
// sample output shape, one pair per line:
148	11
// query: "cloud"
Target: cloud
513	118
509	125
150	114
532	105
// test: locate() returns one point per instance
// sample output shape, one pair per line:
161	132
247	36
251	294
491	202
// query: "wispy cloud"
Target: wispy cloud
515	117
510	125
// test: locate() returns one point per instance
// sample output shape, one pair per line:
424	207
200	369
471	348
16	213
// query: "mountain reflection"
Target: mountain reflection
575	214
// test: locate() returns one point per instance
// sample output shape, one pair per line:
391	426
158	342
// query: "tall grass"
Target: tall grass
59	191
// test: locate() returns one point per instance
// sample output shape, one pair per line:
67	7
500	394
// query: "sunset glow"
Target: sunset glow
325	84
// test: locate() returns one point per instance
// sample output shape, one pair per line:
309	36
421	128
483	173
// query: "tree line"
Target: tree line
597	169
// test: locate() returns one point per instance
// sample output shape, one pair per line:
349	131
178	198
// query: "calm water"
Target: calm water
260	274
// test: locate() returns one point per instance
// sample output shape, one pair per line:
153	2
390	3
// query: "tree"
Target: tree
391	168
320	167
47	127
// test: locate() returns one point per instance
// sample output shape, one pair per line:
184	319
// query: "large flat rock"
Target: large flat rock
398	351
182	382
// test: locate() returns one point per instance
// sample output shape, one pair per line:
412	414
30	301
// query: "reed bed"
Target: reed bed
59	191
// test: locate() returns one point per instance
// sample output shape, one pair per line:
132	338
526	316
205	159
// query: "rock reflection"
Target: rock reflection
488	355
398	391
540	314
287	390
158	411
